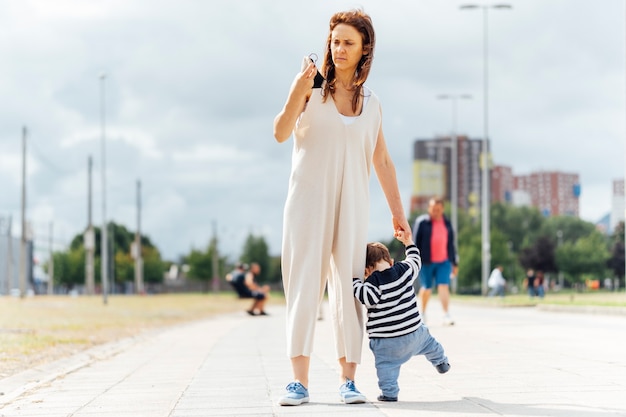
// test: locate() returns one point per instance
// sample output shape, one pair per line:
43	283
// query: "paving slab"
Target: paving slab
505	362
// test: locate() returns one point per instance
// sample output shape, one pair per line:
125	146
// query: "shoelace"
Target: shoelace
350	385
293	387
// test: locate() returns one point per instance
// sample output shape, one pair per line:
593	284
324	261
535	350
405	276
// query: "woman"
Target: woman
338	135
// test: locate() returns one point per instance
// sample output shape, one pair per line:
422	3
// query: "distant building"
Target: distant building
432	172
553	193
617	204
502	184
10	263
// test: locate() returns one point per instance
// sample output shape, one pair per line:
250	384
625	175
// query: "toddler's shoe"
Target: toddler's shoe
349	394
383	397
442	368
296	395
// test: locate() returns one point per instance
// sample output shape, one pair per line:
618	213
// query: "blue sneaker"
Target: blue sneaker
296	395
349	393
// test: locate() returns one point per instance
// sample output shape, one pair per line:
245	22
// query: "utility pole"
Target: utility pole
90	241
9	256
51	264
216	279
485	159
104	241
138	258
23	239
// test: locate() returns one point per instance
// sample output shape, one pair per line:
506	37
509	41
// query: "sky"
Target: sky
191	89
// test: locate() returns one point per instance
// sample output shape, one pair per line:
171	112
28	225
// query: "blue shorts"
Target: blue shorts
439	271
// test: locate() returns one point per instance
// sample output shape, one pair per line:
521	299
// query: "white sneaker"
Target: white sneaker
447	320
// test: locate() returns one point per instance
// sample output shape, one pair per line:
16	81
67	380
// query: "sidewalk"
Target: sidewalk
505	362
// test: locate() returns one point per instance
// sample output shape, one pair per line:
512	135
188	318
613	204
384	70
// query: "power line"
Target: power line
40	156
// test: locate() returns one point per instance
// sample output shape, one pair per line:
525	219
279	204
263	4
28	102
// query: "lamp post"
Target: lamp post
454	166
486	245
104	260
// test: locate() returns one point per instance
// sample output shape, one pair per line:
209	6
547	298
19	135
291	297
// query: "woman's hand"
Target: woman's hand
400	225
304	80
299	94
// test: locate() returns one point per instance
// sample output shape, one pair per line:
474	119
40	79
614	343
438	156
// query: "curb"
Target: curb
618	311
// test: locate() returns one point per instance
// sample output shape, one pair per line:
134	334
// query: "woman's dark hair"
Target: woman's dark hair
363	24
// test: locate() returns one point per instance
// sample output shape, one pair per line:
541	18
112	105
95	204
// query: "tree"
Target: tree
274	274
618	233
571	228
153	265
200	266
588	255
470	256
616	261
520	225
539	255
69	266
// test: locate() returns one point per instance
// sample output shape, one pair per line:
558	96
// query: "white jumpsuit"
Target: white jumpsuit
325	222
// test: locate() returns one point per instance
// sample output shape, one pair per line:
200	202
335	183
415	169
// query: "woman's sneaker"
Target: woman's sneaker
349	394
296	395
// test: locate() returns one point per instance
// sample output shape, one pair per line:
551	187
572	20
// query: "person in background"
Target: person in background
244	283
530	283
540	284
434	237
496	282
259	293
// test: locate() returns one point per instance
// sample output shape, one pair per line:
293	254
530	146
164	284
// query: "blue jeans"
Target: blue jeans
497	290
391	353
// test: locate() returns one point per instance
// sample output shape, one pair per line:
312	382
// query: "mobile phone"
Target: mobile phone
318	80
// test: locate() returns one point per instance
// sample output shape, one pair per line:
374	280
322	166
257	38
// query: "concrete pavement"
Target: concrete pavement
505	362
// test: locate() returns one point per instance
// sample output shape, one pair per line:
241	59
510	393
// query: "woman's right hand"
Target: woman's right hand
299	94
305	78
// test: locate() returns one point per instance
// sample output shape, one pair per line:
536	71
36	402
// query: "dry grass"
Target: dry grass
44	328
564	298
41	329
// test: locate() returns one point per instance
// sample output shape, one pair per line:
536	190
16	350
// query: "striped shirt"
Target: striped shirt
390	297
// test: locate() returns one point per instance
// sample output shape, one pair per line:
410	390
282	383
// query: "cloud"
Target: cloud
192	88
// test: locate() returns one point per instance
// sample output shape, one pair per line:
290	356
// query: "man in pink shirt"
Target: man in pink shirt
434	237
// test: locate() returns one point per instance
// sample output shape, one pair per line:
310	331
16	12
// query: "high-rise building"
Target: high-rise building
617	204
553	193
502	184
432	172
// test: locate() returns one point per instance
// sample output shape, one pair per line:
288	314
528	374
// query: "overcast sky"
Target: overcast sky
192	88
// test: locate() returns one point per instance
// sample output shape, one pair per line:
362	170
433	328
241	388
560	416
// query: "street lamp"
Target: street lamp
486	245
104	238
454	166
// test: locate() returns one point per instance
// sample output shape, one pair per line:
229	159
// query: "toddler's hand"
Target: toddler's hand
404	237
